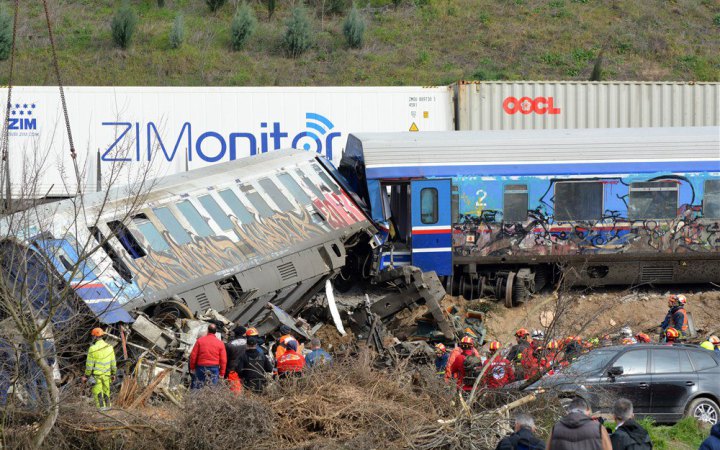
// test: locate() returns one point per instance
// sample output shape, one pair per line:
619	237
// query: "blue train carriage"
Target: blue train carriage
233	237
502	212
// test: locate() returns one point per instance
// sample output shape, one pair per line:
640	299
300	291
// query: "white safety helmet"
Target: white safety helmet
537	335
626	332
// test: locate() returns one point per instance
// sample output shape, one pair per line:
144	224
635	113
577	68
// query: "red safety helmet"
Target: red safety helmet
97	332
642	337
672	333
495	346
677	300
522	333
251	332
440	348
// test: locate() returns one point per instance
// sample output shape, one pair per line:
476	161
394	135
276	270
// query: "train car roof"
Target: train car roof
509	152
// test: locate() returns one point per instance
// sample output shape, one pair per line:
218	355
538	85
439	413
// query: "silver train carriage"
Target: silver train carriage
232	237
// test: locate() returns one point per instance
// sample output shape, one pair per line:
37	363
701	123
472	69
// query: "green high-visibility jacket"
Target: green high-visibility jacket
100	359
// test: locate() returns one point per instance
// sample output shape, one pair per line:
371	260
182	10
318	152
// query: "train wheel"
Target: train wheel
168	312
509	287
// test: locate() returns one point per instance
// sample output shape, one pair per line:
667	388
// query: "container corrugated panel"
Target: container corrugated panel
157	131
565	104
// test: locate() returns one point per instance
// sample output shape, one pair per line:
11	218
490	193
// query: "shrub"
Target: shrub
242	27
270	8
161	3
123	26
6	26
717	19
214	5
354	28
298	35
177	34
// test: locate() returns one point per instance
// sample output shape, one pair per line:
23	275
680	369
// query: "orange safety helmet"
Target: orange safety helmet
677	300
440	348
522	333
467	342
672	333
495	346
251	332
642	337
552	345
97	332
714	340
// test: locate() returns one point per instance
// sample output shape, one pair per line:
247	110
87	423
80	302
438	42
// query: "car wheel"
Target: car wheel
704	410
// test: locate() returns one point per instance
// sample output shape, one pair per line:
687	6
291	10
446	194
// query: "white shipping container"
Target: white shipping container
568	104
167	130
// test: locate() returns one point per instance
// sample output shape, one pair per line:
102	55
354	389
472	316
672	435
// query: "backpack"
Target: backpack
473	367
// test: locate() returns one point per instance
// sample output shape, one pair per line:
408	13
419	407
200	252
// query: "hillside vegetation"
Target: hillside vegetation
406	42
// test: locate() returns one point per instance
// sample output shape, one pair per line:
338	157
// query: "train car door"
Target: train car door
431	225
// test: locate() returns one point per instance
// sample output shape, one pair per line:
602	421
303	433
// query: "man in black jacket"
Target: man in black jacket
235	348
523	437
628	435
253	366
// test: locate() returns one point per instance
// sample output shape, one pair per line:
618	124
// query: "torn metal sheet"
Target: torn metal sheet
159	338
330	295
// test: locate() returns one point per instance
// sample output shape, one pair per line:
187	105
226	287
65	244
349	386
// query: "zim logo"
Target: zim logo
21	117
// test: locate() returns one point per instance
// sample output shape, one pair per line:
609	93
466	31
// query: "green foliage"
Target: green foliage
716	20
270	8
214	5
177	34
484	18
687	431
332	6
298	32
396	3
6	26
242	27
488	71
161	3
354	29
123	26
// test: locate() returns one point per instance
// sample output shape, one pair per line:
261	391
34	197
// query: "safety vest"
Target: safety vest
291	361
100	359
684	327
282	346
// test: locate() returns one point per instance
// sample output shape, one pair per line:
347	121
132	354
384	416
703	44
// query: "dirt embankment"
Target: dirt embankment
603	311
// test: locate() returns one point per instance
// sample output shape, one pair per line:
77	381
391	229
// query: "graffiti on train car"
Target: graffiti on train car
482	229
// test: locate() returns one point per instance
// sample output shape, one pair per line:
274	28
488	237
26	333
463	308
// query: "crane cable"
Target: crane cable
4	145
56	66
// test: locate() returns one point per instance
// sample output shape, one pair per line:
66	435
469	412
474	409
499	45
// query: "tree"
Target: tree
242	27
123	25
214	5
298	34
6	33
177	34
354	29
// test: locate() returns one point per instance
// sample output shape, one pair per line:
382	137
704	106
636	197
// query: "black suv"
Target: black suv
665	382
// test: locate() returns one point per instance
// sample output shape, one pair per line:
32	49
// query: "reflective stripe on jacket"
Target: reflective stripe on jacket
100	359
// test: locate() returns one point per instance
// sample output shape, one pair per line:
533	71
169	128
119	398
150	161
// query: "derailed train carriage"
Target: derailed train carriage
500	212
232	237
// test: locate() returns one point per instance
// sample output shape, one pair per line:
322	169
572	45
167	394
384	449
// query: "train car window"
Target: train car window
257	201
236	206
196	221
326	179
152	234
218	215
429	205
118	264
171	224
711	199
298	192
310	184
515	203
274	192
578	200
126	239
653	200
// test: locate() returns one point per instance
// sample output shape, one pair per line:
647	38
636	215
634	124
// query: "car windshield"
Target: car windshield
590	362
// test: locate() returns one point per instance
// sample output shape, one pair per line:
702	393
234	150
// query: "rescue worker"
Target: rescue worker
235	349
291	363
317	356
606	341
100	369
715	341
441	359
467	365
530	357
671	336
253	366
451	359
676	316
521	336
253	332
499	370
626	336
642	338
286	338
208	358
